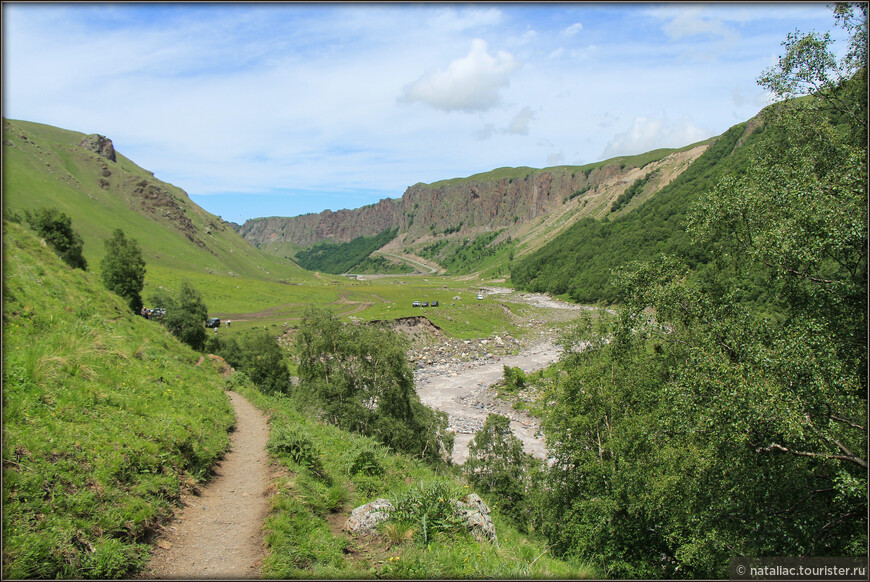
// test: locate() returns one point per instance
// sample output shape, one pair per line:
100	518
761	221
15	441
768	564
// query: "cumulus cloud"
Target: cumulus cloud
648	134
471	83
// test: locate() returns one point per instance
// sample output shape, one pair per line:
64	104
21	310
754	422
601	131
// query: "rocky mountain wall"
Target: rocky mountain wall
452	206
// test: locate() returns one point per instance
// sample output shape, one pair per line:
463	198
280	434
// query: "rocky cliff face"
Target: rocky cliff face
462	205
307	229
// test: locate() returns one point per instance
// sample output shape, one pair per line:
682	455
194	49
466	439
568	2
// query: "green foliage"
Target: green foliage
185	314
631	192
123	269
466	255
56	229
257	354
498	465
579	261
514	379
579	192
361	379
105	419
429	506
381	265
338	258
295	443
698	427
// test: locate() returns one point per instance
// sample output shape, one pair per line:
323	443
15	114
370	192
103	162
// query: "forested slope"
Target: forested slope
701	424
579	261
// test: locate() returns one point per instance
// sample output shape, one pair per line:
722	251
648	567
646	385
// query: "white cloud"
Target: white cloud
520	123
556	159
648	134
471	83
690	22
572	30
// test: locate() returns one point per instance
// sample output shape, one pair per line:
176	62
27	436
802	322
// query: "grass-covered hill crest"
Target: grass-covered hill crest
89	180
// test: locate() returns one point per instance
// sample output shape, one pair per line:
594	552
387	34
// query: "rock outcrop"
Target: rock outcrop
100	145
365	519
476	515
473	511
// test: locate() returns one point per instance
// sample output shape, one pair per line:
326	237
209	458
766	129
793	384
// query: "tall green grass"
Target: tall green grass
106	420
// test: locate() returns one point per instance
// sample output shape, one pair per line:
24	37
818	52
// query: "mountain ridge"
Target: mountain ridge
504	198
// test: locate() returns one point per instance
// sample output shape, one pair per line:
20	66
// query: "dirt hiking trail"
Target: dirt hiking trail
218	534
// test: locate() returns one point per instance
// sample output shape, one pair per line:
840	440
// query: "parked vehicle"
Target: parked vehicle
213	322
479	296
416	304
434	304
425	304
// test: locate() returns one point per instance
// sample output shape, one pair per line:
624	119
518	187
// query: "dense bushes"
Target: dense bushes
361	380
257	355
713	423
185	314
338	258
55	228
578	262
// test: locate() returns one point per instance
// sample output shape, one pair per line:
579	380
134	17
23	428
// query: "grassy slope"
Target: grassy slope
304	535
639	160
43	166
106	417
239	282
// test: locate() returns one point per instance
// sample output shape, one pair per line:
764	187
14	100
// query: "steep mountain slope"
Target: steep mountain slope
529	204
101	190
579	261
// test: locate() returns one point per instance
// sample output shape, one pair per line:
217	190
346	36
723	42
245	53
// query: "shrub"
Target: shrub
55	228
361	380
259	356
429	507
123	269
295	443
185	315
514	379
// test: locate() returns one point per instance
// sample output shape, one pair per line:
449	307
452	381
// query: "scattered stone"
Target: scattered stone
365	519
477	517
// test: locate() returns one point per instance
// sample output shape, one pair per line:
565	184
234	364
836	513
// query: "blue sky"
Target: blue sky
285	109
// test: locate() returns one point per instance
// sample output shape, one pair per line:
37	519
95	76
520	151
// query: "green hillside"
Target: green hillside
579	261
47	166
106	420
338	258
638	160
